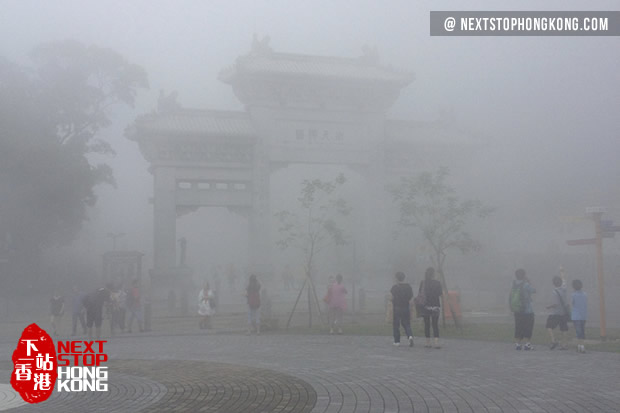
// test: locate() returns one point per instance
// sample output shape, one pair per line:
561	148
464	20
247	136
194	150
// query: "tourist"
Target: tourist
579	314
401	312
337	304
94	310
521	305
432	291
253	297
77	310
116	304
57	310
559	313
206	306
134	305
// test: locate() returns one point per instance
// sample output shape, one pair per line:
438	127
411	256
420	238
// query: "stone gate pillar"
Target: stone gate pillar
259	249
164	219
376	229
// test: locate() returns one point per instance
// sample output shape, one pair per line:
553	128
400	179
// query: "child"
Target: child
401	295
579	314
559	313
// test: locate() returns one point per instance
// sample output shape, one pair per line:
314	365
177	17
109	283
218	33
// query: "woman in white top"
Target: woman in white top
205	306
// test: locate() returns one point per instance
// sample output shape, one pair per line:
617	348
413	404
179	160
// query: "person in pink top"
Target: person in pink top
337	304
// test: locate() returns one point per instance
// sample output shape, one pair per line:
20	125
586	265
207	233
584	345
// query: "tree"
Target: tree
314	228
428	204
50	116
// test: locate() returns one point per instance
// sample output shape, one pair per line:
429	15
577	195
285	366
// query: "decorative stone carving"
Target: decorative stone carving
207	152
261	47
168	103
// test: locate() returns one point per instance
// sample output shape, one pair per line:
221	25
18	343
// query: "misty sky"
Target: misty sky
547	107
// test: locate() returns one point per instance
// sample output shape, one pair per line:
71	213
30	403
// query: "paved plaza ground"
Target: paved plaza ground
314	373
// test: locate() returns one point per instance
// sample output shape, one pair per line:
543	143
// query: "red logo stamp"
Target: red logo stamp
77	366
35	365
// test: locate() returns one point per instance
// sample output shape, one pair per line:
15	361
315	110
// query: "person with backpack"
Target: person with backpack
559	315
402	294
428	301
579	314
521	305
94	303
253	296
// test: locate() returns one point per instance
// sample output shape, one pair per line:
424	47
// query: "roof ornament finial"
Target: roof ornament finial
370	55
168	103
261	47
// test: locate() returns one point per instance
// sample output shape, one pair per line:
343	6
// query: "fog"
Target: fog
541	113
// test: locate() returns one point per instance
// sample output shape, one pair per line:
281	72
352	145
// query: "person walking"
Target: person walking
206	306
432	291
253	297
402	293
337	304
559	313
521	305
579	314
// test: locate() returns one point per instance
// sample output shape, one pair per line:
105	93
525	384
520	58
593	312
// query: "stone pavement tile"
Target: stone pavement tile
366	374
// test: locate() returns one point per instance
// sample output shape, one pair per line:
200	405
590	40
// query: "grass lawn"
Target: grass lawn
472	331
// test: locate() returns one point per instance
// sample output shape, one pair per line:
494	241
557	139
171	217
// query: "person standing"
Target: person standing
337	304
116	304
402	293
57	310
559	313
205	306
579	314
432	290
94	310
77	311
134	305
521	305
253	297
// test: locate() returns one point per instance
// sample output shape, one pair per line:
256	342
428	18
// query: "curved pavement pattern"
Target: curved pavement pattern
281	373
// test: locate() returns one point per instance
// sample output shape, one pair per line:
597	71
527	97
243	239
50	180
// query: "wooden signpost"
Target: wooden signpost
603	229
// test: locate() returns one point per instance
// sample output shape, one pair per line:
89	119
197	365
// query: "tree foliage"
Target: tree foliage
50	116
316	225
430	205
